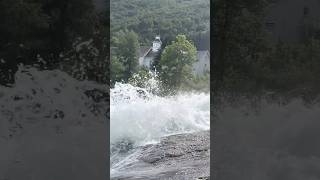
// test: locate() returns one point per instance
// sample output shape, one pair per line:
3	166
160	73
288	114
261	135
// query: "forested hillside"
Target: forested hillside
166	17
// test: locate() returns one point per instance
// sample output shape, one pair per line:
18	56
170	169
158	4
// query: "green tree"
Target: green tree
116	70
127	49
176	62
150	17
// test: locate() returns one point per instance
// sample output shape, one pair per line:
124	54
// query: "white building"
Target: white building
147	56
202	65
156	44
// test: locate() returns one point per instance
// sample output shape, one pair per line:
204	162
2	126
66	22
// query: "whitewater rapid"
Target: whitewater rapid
138	117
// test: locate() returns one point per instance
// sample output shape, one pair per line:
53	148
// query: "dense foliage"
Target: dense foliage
124	56
127	45
175	66
169	18
166	17
116	70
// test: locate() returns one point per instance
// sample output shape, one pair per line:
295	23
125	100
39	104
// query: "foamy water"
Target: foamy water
138	117
144	118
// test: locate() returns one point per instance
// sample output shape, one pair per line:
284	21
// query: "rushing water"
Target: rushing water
138	117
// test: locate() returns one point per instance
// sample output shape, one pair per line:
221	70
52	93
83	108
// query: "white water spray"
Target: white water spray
139	117
144	117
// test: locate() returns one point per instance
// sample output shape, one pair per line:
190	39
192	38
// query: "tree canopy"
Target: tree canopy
166	17
176	61
127	47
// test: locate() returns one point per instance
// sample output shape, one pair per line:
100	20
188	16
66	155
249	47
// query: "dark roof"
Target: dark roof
152	54
143	50
157	40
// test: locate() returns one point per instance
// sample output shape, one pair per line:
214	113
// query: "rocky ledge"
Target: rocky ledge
182	156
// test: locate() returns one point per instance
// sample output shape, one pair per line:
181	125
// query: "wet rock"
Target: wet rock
122	146
183	156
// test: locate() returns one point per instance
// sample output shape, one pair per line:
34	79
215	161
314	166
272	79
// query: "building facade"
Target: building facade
147	57
202	65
